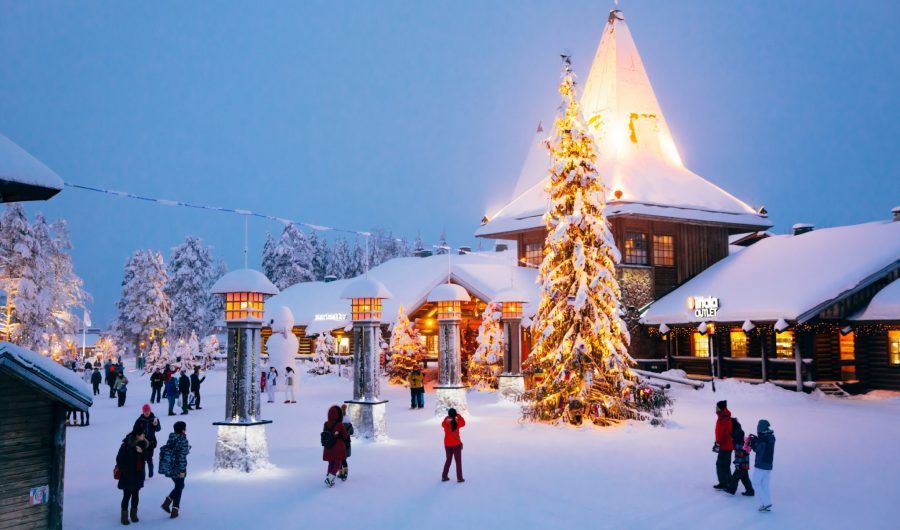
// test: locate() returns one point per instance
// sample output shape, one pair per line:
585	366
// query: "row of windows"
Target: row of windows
784	344
636	250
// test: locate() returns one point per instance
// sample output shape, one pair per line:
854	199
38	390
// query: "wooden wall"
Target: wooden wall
872	362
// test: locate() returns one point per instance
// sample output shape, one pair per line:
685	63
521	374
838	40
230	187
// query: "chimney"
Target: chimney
465	250
895	212
421	253
802	228
501	247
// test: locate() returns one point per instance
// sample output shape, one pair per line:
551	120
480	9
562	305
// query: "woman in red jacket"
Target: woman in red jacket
452	444
334	436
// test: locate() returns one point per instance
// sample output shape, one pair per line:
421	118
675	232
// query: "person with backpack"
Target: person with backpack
345	470
171	393
156	384
130	472
173	464
763	444
723	446
290	381
196	381
149	425
184	387
122	388
271	383
453	446
96	379
741	461
416	389
334	448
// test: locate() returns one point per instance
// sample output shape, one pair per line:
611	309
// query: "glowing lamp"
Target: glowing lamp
449	298
365	297
245	291
511	302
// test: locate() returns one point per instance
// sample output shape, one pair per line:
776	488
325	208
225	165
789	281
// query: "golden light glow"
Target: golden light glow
894	346
365	309
243	306
699	345
512	309
738	342
784	344
449	310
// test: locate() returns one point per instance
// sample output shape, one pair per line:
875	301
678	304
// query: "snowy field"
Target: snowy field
835	467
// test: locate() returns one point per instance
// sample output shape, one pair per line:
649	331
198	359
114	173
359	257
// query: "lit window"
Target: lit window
847	348
894	346
664	251
241	306
449	310
366	308
738	343
699	345
784	344
343	345
431	345
534	253
635	248
512	309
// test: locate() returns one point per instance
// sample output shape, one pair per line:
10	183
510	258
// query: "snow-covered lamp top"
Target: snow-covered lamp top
365	299
244	290
511	301
449	298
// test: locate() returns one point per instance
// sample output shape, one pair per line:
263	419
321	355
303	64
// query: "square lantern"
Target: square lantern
245	291
366	297
449	309
512	310
243	306
365	309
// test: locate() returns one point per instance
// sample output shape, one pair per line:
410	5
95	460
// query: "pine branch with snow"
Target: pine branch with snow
486	363
406	349
323	353
191	272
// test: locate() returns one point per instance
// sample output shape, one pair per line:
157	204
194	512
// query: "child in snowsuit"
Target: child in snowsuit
763	444
271	383
96	379
290	380
741	461
334	449
122	388
416	389
345	470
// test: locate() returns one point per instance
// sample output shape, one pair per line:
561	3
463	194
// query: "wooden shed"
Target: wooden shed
35	393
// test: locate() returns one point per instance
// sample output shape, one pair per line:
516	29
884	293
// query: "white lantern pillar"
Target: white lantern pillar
451	393
511	381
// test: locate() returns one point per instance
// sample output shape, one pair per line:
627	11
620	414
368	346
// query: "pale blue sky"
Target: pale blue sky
417	115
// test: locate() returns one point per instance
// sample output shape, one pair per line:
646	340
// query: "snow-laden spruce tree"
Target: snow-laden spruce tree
320	257
209	348
191	273
143	307
292	258
154	360
322	355
406	349
267	259
357	260
442	243
339	262
190	352
418	245
486	363
580	363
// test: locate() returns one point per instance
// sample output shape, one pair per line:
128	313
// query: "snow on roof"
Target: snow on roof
449	292
19	167
244	280
785	276
885	305
47	374
319	306
636	153
365	288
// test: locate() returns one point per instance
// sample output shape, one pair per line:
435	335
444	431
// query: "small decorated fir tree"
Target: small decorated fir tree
580	363
322	357
209	348
154	360
486	363
406	349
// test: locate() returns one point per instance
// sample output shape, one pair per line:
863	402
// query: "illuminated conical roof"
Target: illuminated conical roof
637	155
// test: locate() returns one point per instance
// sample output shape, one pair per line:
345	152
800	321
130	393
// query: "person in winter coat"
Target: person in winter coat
741	461
416	389
453	446
763	444
271	383
345	469
723	446
121	388
262	381
184	387
96	379
177	449
156	384
336	452
196	381
149	424
112	378
87	376
167	374
130	466
172	393
290	381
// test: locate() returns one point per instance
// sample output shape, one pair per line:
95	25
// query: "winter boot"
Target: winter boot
174	512
329	480
166	505
748	493
133	514
125	517
150	466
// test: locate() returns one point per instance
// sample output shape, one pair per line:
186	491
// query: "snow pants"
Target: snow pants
122	395
112	389
762	478
175	494
743	476
185	402
171	398
289	393
723	467
270	392
197	399
96	388
454	452
417	398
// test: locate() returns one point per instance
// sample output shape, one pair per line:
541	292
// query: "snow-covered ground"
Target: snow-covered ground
835	467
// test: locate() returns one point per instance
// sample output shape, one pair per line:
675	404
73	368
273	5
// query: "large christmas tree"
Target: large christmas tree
487	361
580	362
406	349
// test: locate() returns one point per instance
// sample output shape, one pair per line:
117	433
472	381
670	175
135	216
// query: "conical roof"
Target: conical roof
637	155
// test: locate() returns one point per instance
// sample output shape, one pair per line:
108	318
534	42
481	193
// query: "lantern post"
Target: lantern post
241	440
367	411
451	393
511	381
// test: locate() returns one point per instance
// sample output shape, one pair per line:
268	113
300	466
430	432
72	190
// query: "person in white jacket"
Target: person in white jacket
271	383
290	381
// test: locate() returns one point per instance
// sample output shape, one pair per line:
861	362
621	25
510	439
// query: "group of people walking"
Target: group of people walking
176	385
730	438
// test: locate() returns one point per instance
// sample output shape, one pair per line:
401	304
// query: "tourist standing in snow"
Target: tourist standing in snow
290	381
149	425
121	387
196	381
184	387
111	376
130	468
271	383
173	464
741	461
723	446
171	393
345	468
416	389
262	381
96	379
156	384
763	444
333	443
453	446
167	375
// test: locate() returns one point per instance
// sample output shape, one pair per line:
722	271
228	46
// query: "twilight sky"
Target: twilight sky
417	115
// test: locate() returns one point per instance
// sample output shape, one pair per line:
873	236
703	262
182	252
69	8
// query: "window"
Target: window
784	344
848	351
450	309
431	345
664	251
366	308
635	248
699	345
894	347
241	306
343	344
512	309
534	253
738	342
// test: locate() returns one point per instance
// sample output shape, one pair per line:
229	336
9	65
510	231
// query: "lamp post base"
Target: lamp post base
450	397
511	387
369	419
242	446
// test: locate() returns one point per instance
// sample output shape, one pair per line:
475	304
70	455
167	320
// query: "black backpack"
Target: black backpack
737	430
327	438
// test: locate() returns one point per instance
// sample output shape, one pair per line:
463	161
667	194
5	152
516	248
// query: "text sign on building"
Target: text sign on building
703	306
39	495
338	317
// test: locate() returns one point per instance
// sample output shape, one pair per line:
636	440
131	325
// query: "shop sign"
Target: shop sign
704	307
39	495
333	317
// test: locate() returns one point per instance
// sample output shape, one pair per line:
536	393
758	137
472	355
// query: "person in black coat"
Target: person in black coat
156	384
196	381
184	387
96	379
149	425
130	466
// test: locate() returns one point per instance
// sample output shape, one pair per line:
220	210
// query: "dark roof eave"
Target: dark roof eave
50	387
14	191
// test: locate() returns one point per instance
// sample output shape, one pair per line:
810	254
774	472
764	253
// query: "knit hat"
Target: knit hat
763	426
722	405
146	408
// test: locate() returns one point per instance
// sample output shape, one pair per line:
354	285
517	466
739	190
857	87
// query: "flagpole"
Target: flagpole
83	340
